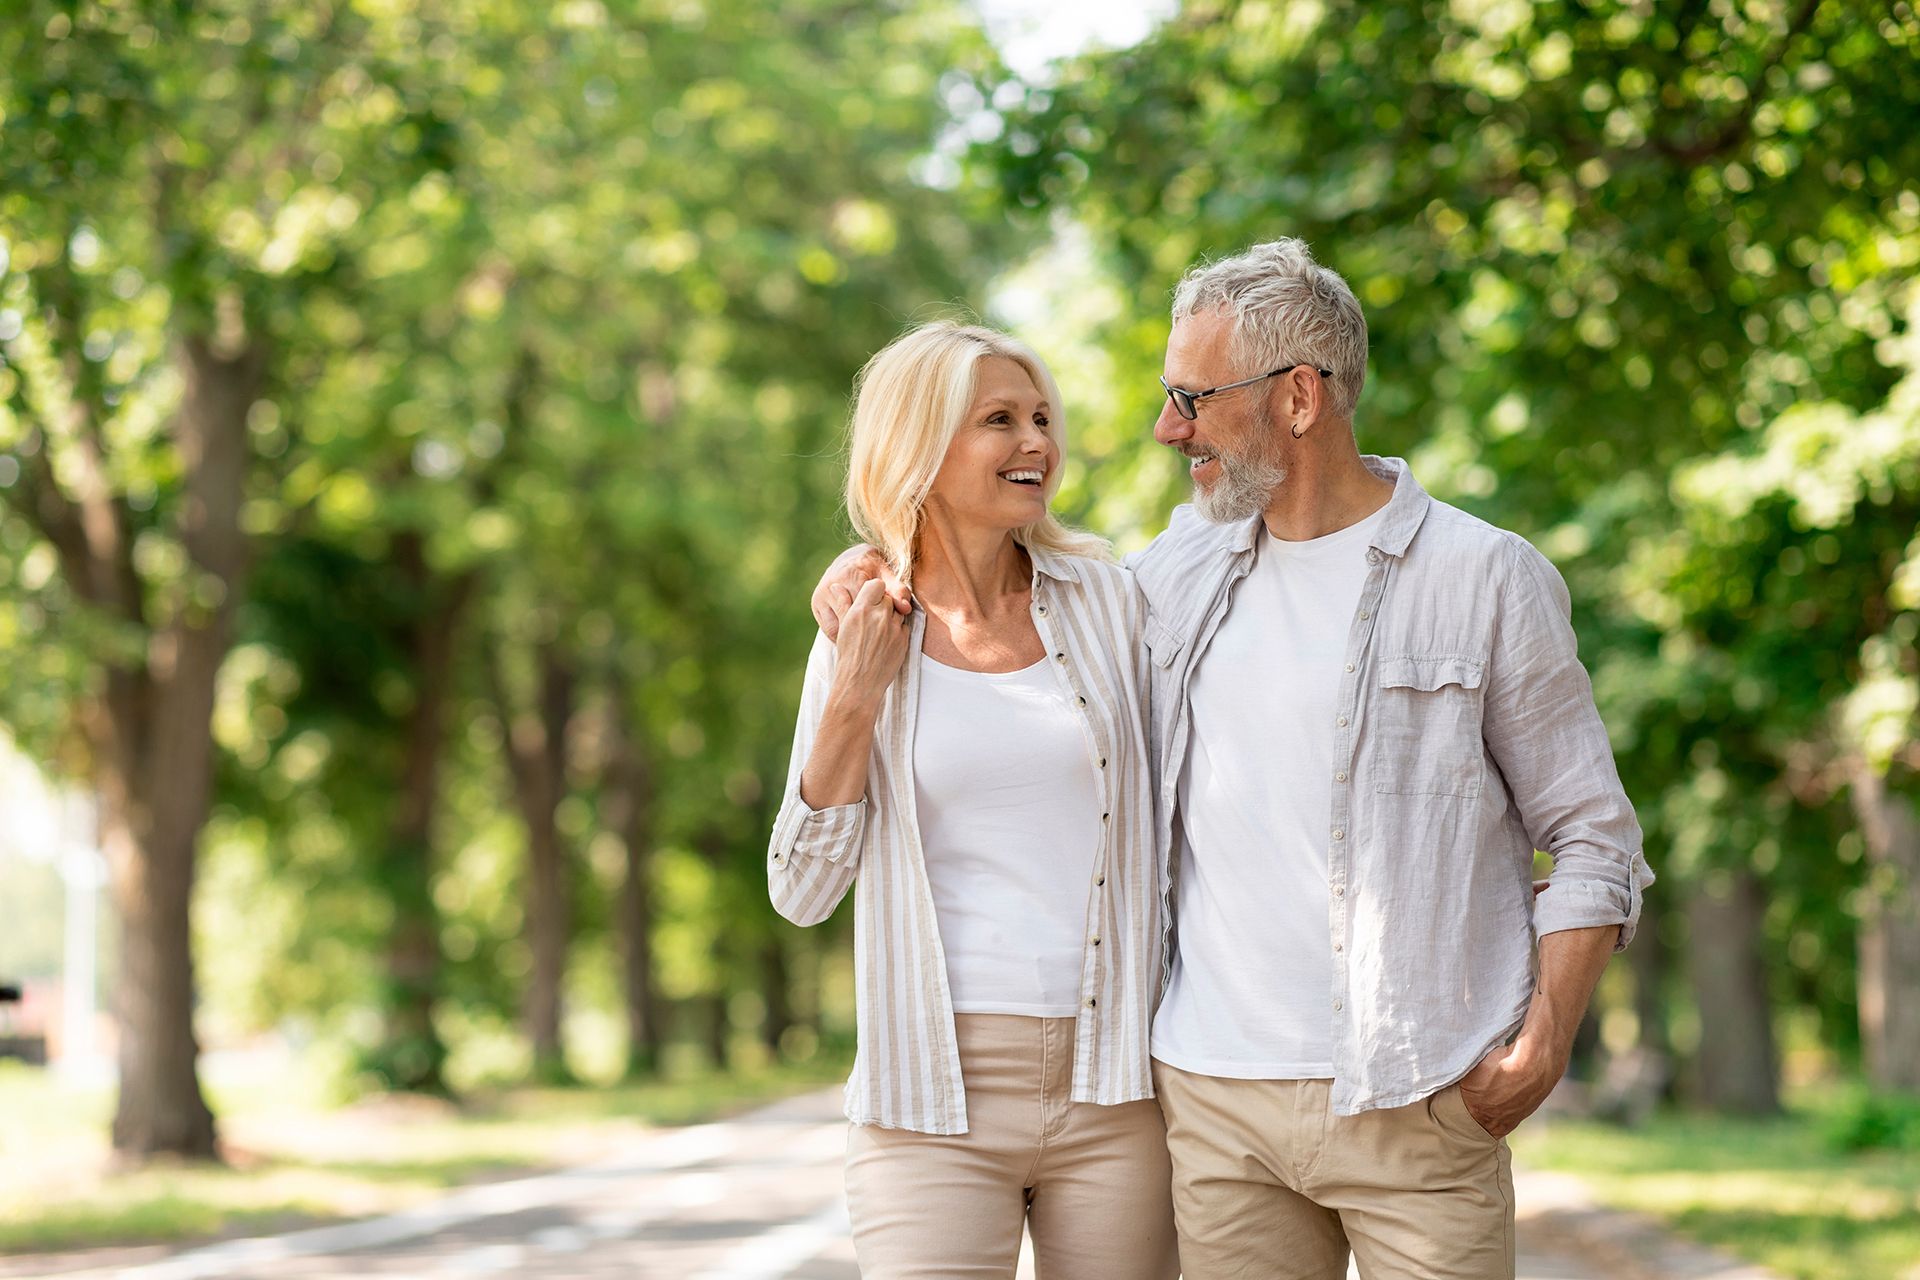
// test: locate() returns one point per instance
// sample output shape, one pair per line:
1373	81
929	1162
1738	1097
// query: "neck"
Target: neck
1328	488
967	570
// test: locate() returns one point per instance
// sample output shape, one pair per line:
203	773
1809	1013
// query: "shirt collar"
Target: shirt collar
1053	564
1400	518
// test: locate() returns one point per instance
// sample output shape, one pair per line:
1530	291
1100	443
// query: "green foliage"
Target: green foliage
1868	1121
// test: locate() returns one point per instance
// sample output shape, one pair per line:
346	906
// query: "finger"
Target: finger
897	591
871	593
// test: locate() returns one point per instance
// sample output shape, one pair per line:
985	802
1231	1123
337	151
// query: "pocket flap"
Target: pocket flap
1162	645
1429	674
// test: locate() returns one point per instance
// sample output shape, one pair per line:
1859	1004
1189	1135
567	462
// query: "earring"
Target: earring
1297	432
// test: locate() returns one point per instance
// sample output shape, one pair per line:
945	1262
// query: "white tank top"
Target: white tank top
1010	821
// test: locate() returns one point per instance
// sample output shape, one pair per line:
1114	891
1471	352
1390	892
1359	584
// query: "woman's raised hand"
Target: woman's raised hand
871	647
842	581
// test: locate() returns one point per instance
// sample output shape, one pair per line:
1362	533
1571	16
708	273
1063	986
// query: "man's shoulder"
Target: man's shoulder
1455	545
1169	570
1186	536
1454	539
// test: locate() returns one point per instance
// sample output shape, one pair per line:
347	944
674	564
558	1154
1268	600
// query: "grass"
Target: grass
1784	1193
293	1161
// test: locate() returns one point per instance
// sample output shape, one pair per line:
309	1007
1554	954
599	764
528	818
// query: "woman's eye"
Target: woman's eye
1041	421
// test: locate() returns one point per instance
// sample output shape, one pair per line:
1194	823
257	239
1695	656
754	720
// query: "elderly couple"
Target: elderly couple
1195	923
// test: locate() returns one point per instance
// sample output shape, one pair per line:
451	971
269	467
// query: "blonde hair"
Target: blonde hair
910	401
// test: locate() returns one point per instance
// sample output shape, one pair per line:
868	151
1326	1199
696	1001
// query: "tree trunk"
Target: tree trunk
411	1055
777	984
152	745
1736	1068
1651	960
1889	982
537	759
630	814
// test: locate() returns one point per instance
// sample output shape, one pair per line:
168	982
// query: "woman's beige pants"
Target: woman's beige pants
1093	1183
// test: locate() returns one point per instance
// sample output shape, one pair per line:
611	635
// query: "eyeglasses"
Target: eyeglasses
1186	403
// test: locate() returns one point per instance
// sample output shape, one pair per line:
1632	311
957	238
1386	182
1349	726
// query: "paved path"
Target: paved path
757	1198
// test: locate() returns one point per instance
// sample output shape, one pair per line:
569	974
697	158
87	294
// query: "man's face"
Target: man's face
1235	455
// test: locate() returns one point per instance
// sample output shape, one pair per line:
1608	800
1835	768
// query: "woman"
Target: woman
978	768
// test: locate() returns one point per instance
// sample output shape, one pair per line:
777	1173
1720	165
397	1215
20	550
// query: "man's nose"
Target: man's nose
1170	427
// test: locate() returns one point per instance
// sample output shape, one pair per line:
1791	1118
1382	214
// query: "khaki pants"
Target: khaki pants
1091	1182
1268	1182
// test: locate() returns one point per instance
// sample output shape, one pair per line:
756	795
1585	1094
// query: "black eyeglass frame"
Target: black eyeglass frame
1186	403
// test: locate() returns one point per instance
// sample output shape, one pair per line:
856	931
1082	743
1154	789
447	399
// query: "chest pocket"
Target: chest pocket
1425	725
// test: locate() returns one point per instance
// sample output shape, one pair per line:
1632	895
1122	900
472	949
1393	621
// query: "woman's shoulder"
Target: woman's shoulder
1106	587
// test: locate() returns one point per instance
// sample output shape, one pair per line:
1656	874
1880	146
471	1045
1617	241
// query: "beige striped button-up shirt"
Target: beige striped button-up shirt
906	1074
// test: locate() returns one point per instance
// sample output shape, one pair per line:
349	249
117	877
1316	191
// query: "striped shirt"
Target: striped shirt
906	1073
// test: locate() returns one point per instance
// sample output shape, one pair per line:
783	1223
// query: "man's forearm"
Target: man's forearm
1571	962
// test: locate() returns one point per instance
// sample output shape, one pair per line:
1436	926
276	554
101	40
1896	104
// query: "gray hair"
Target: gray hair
1286	308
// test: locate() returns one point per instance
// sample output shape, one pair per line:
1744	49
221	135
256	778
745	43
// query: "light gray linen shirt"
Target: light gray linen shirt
906	1071
1465	738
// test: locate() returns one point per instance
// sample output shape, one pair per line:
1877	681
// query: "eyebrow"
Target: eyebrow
1001	402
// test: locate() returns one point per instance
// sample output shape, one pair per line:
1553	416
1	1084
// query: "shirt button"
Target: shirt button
1095	940
1339	891
1342	722
1349	666
1080	700
1103	762
1338	834
1059	657
1105	816
1041	610
1364	615
1090	1002
1336	1005
1340	776
1373	555
1098	881
1336	946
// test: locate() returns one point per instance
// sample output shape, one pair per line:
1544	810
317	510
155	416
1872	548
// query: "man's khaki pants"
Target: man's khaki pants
1268	1182
1090	1182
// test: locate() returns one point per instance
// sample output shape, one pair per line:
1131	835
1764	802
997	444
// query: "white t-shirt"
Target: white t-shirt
1251	991
1010	821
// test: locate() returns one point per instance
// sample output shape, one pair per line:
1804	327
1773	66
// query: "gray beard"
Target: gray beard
1245	488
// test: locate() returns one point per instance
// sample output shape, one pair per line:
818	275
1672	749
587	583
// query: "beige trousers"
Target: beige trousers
1091	1182
1268	1182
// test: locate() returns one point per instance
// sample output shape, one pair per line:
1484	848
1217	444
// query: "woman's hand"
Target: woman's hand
871	647
842	581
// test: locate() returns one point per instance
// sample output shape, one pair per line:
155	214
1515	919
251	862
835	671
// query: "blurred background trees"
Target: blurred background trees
422	421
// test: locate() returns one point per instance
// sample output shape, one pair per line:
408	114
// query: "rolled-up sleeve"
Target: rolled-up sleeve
1546	736
813	853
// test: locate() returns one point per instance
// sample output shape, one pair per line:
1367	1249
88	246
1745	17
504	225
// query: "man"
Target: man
1368	712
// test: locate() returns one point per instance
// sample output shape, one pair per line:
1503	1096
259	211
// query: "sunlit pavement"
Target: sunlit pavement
757	1198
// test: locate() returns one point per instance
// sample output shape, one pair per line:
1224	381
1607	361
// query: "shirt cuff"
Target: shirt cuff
806	832
1592	904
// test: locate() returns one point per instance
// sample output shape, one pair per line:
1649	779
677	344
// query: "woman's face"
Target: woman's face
998	469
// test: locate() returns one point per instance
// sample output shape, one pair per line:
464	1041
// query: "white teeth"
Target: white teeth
1199	460
1034	476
